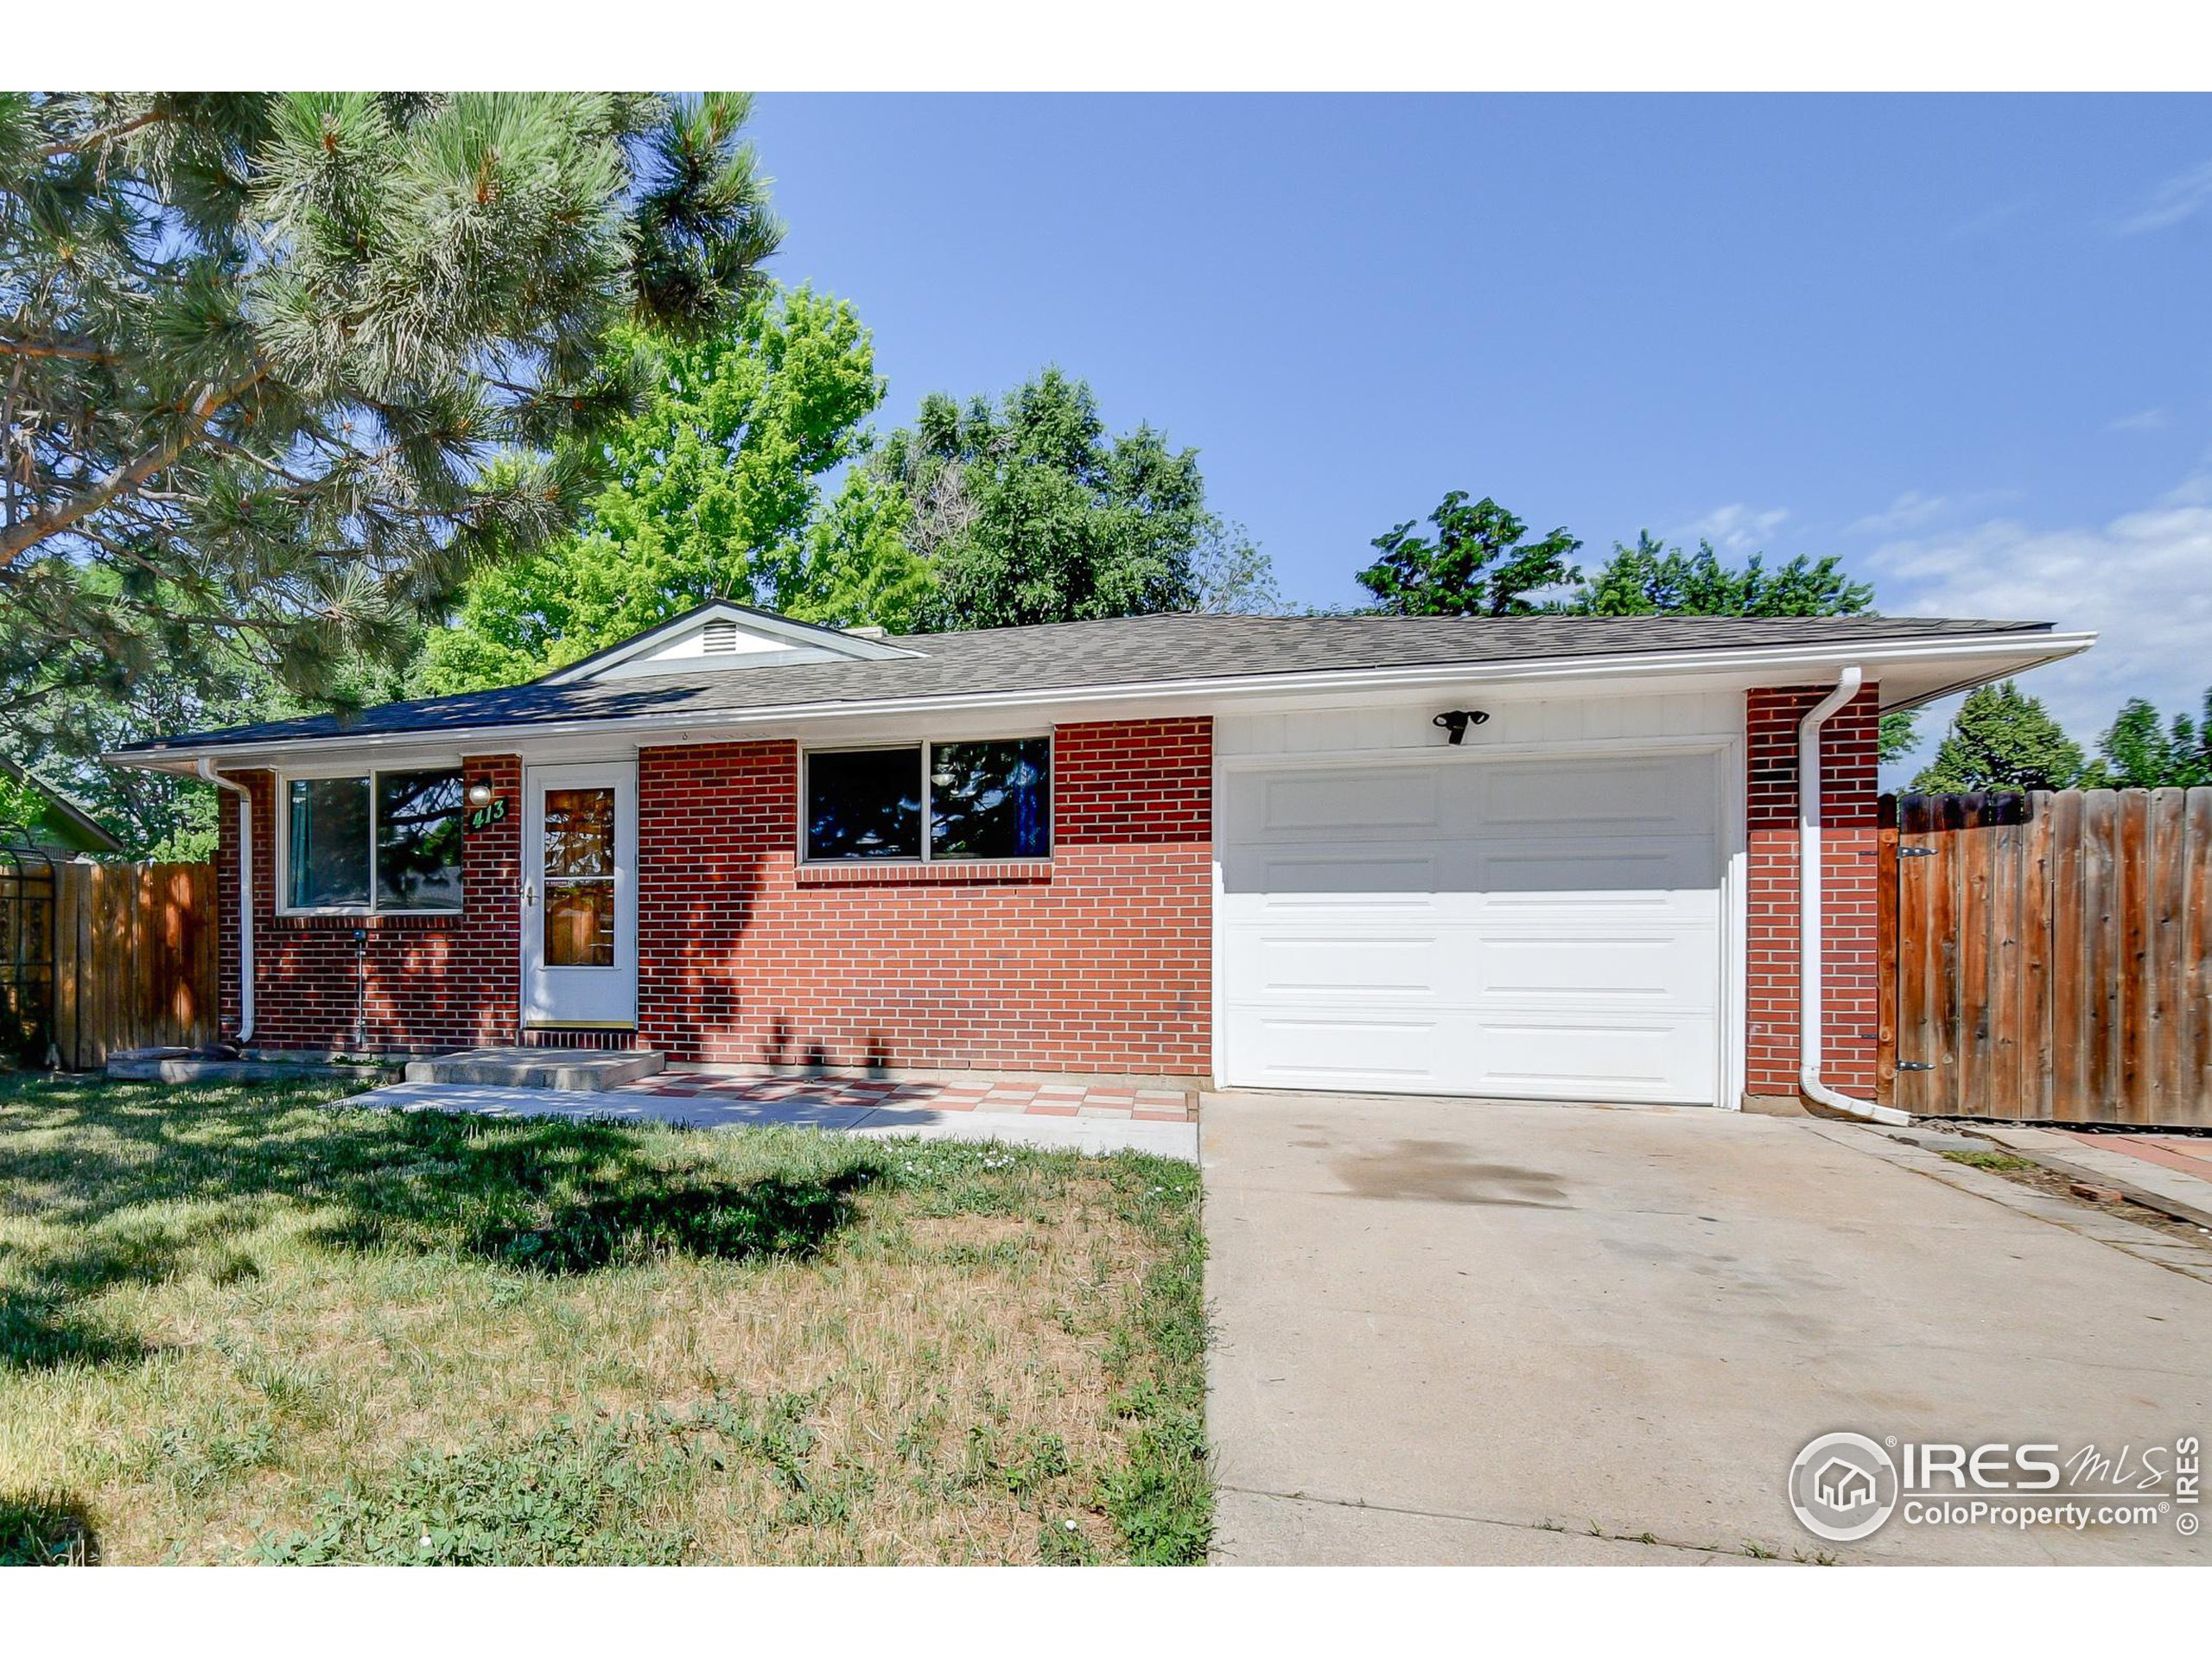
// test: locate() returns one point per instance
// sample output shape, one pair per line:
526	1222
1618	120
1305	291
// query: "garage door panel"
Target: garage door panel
1616	1060
1664	971
1279	966
1347	1052
1598	797
1545	928
1333	873
1560	869
1396	801
1474	969
1523	1055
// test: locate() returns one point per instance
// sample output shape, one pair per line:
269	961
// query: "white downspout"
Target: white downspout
245	895
1808	909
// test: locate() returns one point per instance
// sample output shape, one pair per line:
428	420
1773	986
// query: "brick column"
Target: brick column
1851	954
487	956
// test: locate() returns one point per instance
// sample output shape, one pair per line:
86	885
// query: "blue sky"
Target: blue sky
1961	341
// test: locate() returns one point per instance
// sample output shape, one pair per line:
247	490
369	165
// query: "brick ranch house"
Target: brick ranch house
1543	857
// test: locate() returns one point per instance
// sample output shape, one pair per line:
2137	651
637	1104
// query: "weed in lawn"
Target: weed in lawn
558	1499
2000	1162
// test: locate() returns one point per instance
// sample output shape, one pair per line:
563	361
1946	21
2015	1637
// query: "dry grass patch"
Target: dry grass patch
240	1325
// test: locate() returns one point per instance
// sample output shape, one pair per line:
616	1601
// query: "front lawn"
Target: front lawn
239	1325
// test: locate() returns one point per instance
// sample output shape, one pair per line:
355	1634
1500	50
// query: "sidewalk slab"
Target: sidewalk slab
734	1111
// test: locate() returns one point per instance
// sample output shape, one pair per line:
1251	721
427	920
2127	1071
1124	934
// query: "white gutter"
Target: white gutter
1808	908
2017	653
246	896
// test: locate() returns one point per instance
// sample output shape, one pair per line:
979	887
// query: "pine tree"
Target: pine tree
2140	753
2002	738
1651	578
1478	565
277	370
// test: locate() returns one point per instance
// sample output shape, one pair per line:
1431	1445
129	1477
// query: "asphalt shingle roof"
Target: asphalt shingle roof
1125	651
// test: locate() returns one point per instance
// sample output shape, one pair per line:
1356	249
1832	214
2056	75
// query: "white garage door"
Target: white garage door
1534	928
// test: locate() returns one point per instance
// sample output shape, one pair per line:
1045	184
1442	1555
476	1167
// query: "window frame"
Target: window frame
282	862
927	748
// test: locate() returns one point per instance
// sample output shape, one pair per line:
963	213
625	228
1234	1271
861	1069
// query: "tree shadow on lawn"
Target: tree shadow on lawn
548	1197
46	1530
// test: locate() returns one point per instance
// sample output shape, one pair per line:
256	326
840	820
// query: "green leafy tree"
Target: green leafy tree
2002	738
1027	511
714	490
1651	578
2138	751
277	370
1480	564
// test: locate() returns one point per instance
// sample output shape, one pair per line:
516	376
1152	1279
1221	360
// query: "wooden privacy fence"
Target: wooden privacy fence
134	959
2047	956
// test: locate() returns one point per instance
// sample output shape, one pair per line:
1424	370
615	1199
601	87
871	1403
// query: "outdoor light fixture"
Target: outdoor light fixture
1456	721
479	795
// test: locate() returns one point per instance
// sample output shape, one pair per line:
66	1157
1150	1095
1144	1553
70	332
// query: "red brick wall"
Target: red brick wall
420	982
1097	961
1849	793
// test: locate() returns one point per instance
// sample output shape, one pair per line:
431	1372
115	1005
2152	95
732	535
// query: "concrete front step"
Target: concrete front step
539	1068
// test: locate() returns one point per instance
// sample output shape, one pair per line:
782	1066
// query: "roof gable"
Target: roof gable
721	635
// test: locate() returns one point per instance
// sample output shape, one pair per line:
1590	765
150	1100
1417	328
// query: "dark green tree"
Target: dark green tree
1652	579
2002	738
277	370
1479	564
1026	510
2138	751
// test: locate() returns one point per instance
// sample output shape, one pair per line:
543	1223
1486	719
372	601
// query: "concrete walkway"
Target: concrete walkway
2172	1173
827	1103
1468	1331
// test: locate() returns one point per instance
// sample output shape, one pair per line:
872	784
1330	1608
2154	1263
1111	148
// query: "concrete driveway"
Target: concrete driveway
1466	1331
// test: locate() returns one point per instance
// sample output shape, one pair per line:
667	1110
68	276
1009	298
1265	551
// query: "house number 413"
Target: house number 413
491	813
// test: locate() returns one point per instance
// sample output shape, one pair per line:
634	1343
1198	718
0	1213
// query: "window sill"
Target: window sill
960	870
309	921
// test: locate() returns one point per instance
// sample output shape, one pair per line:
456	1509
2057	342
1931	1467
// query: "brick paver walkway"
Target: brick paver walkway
2191	1154
1026	1099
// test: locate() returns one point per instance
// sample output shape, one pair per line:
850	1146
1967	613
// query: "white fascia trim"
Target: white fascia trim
2017	653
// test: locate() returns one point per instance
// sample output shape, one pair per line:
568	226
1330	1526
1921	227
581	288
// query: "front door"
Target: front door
580	896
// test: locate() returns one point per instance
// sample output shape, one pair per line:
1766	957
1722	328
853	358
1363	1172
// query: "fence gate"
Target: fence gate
135	960
27	899
2047	956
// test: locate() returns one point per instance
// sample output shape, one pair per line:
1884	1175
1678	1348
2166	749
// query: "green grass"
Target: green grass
243	1324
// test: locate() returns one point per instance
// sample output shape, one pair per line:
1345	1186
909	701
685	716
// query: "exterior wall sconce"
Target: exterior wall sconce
1455	722
479	795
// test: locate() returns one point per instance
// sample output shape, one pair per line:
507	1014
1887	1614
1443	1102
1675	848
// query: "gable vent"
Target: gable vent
719	640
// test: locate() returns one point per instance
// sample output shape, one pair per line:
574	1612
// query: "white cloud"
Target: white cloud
2144	581
2184	196
1909	512
2144	420
1737	528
